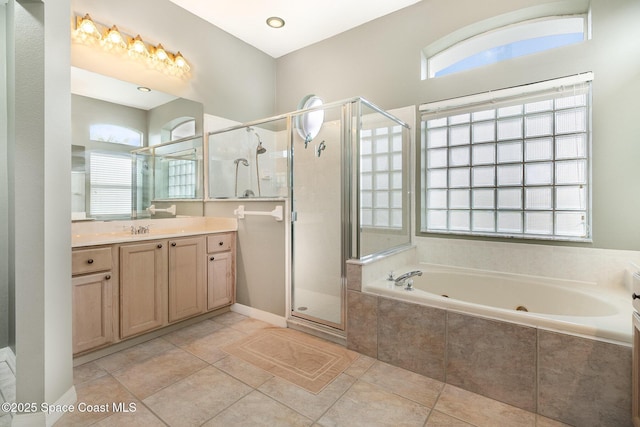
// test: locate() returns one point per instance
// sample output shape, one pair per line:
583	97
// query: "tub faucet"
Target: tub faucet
400	279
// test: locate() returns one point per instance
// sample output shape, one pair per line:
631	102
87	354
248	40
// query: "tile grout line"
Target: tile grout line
287	406
356	379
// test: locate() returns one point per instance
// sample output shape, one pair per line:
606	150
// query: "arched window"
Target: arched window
184	130
504	43
178	128
104	132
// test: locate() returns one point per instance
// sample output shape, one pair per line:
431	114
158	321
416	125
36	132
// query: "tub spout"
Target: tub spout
401	279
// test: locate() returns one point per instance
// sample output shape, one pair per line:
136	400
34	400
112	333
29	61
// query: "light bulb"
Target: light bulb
137	47
113	39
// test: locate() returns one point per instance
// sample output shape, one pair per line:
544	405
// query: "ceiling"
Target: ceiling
306	21
94	85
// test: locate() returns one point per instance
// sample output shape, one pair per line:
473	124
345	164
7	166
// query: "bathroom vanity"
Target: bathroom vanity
129	278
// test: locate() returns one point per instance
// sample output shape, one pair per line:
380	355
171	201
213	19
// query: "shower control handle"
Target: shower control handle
635	296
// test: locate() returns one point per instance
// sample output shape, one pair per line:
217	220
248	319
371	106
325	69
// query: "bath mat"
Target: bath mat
307	361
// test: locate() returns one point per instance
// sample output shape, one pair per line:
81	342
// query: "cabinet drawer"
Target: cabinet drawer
90	260
219	242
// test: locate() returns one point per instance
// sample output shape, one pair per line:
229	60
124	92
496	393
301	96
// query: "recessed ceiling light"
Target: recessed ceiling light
275	22
144	89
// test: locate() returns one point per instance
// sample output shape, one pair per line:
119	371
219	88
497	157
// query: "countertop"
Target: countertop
112	232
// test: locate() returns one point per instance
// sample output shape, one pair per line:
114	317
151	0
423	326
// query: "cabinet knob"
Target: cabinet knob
107	277
220	243
173	243
212	258
159	245
90	261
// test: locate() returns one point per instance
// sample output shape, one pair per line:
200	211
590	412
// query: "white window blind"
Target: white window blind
514	164
110	184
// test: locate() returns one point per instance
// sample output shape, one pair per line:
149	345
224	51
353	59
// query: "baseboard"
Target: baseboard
319	331
6	355
265	316
29	420
46	419
67	399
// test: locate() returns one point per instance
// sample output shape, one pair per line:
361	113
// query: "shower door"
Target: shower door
318	252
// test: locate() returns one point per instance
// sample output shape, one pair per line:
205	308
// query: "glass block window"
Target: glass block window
182	179
512	167
381	177
110	180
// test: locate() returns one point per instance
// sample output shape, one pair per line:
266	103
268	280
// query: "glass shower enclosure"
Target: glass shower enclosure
171	171
347	185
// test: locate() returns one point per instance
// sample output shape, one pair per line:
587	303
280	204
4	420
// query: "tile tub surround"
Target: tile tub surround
605	267
575	380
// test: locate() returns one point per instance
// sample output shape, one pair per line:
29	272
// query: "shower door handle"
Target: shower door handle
294	216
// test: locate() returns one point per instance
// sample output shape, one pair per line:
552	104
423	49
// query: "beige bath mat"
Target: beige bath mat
304	360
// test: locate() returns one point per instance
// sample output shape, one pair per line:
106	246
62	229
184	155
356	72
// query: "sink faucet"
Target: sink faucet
142	229
401	279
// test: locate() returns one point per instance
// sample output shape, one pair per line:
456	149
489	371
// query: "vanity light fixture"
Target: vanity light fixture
137	48
112	40
275	22
181	63
159	54
87	29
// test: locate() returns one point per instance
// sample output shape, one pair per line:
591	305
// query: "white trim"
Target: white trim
29	420
42	419
6	355
254	313
68	398
500	94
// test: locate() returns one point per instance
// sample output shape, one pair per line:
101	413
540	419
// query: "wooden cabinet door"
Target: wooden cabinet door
187	270
143	287
92	311
220	283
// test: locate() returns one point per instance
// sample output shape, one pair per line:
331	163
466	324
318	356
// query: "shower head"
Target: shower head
245	162
259	149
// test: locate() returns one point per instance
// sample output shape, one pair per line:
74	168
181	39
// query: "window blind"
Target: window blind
110	184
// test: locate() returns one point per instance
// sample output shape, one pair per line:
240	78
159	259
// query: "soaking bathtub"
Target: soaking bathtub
567	306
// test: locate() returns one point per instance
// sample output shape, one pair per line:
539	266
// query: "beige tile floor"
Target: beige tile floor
185	379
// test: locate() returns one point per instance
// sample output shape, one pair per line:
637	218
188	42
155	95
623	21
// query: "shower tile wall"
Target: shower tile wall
578	381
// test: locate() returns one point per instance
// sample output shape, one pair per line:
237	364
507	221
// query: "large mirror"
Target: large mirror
133	148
